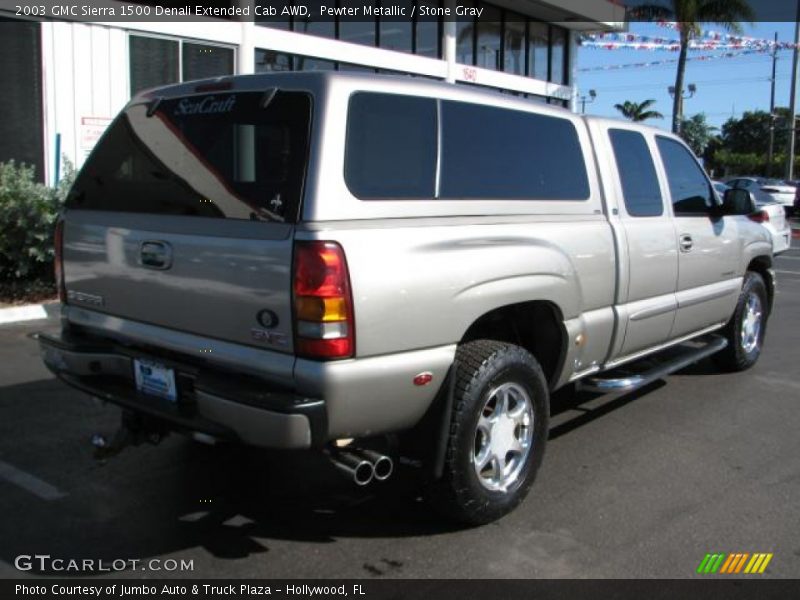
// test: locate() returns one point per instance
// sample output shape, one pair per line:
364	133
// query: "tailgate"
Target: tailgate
183	215
229	281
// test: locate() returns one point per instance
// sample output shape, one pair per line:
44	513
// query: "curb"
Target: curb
28	312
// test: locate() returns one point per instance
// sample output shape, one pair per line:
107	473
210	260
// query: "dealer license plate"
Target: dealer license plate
155	379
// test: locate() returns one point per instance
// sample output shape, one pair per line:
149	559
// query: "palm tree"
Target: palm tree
689	14
638	111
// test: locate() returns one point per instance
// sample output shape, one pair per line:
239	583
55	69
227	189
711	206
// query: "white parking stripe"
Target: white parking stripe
28	482
787	272
22	313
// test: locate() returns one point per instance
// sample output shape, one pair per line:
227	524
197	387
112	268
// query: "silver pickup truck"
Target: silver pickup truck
339	262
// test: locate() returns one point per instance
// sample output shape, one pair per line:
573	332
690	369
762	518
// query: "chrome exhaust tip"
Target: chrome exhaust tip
359	469
383	466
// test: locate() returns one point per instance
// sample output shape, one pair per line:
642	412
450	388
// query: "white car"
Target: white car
767	189
772	215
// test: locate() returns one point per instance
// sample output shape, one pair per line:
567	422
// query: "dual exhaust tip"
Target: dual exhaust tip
363	465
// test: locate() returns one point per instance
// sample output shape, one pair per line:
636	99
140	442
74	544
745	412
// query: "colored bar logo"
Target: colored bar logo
734	563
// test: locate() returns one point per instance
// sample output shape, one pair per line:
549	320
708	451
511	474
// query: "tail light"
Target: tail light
760	216
58	263
323	304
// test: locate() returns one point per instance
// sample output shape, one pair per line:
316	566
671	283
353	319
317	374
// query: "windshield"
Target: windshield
230	155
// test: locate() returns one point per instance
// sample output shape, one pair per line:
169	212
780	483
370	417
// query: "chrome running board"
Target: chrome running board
628	383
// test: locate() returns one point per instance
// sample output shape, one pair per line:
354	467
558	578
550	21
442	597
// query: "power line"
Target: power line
709	82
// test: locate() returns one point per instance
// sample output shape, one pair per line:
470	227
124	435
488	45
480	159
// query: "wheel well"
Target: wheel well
536	326
762	266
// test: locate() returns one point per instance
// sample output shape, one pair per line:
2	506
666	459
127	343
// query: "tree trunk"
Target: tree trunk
677	103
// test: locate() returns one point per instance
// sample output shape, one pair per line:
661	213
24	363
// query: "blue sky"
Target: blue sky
725	87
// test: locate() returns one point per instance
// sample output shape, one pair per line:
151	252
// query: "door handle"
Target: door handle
686	242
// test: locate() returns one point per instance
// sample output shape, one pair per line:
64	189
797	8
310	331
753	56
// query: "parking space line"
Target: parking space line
29	482
787	272
22	313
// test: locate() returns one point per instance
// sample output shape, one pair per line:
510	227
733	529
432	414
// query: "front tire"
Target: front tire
498	432
746	330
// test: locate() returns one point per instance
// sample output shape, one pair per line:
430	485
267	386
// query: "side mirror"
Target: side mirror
738	202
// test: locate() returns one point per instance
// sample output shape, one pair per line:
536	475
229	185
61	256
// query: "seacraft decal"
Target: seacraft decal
209	105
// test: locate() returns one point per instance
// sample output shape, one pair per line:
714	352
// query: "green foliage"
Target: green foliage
750	133
638	111
743	145
29	212
697	132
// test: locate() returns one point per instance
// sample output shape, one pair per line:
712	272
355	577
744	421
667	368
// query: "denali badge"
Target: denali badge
84	298
269	337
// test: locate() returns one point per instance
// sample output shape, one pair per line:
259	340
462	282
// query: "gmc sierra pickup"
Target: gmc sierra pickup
320	260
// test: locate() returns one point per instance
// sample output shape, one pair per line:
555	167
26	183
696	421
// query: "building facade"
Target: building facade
63	81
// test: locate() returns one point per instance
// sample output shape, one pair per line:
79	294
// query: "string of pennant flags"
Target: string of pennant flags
707	40
655	63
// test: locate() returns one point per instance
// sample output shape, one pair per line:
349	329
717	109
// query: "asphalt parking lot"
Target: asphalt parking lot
642	485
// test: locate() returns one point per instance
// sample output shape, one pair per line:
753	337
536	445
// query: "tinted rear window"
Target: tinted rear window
497	153
236	156
486	152
391	146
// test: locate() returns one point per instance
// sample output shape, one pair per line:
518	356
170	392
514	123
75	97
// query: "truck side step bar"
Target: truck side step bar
628	383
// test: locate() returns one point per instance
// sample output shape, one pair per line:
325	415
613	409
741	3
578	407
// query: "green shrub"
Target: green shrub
28	213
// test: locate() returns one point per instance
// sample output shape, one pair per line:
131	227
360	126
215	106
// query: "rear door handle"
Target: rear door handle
686	242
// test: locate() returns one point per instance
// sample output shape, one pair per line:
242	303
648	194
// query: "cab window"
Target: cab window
690	189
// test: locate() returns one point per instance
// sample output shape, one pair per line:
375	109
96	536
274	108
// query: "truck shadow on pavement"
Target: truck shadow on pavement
180	496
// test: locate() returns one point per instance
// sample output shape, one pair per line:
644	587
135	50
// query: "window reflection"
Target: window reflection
465	38
538	54
514	45
489	44
501	39
558	63
427	32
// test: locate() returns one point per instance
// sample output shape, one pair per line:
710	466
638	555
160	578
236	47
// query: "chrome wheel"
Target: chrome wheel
504	437
751	323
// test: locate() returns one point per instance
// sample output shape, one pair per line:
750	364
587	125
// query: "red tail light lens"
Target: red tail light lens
323	304
760	216
58	263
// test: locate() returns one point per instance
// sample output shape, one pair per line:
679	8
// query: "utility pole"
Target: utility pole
584	100
771	150
793	99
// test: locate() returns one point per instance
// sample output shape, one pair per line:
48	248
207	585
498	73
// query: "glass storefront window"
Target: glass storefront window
153	62
354	68
514	45
315	24
558	62
309	63
489	40
427	35
268	61
202	60
501	39
357	32
397	35
465	38
538	54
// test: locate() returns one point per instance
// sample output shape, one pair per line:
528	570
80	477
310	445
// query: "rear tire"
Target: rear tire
747	327
498	432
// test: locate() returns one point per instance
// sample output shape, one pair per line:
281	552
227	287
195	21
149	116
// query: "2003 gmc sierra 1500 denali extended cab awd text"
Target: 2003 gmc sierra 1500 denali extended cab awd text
321	260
